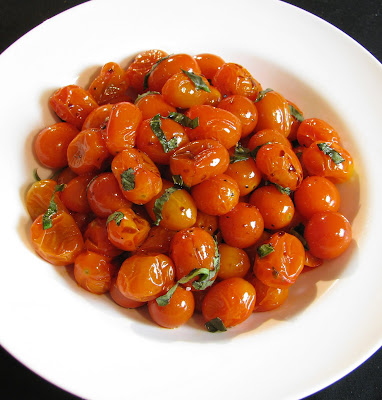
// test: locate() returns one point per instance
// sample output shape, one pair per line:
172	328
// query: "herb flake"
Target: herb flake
264	250
52	208
156	127
261	94
215	325
147	76
128	179
183	120
160	202
197	81
117	216
333	154
295	113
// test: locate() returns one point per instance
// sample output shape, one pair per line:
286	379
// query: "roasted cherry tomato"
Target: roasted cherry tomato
122	300
232	300
328	234
65	176
153	103
73	104
199	160
74	194
216	195
98	118
145	277
246	175
209	64
127	230
52	143
234	262
60	244
177	312
294	122
283	264
157	242
266	136
315	129
207	222
138	177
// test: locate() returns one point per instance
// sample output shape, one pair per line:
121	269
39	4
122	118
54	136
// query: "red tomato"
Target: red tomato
313	130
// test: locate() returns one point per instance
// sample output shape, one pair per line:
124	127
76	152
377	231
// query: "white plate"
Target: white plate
93	348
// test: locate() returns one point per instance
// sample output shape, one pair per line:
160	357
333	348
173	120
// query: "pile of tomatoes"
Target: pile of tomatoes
182	185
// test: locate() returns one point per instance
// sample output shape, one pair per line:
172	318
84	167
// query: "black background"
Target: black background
360	19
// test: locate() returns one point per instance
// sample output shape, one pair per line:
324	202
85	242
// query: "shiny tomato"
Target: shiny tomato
127	230
122	300
145	277
209	64
232	300
60	244
266	136
282	266
93	272
315	129
74	194
216	195
246	175
110	85
294	122
234	262
98	118
214	123
243	226
177	312
87	152
73	104
52	143
138	177
105	196
328	234
153	103
207	222
65	176
199	160
157	242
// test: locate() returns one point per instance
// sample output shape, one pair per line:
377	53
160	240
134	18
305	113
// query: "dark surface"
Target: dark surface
360	19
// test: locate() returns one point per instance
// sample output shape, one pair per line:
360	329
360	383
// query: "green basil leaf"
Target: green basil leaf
183	120
156	127
333	154
197	81
128	179
298	231
262	94
295	113
281	189
36	175
52	208
117	216
165	299
241	154
159	203
140	96
264	250
146	78
215	325
178	181
254	152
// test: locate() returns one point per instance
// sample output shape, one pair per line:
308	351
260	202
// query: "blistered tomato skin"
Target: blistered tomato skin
60	244
177	312
215	123
314	129
145	277
73	104
52	142
232	300
157	242
328	234
282	266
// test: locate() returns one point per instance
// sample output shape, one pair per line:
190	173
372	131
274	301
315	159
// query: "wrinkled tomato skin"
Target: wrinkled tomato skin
152	104
110	85
122	127
177	312
234	262
98	118
148	182
232	79
328	234
199	160
60	244
214	123
246	175
145	277
216	195
157	242
122	300
274	113
320	164
281	267
73	104
93	272
52	143
316	194
315	129
105	196
74	194
149	143
169	67
232	300
141	66
87	152
192	248
280	165
242	226
209	64
130	232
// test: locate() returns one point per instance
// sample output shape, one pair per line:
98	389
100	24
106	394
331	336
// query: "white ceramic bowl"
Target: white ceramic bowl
91	347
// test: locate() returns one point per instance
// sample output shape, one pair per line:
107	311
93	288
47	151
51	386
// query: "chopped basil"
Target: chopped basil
146	79
281	189
160	201
178	181
197	81
295	113
144	95
156	127
333	154
262	94
257	148
298	231
184	120
128	179
35	175
52	208
117	216
241	154
215	325
264	250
